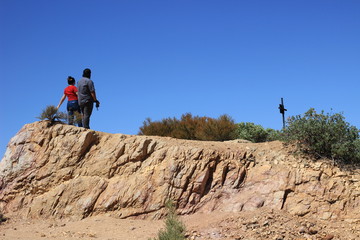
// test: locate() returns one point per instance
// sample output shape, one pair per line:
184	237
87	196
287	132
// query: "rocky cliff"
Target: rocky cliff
65	171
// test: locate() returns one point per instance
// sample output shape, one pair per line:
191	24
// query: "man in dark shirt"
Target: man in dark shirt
87	97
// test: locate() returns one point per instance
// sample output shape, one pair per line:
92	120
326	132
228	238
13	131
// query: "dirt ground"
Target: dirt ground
258	224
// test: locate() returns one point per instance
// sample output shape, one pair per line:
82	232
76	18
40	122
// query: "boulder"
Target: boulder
64	171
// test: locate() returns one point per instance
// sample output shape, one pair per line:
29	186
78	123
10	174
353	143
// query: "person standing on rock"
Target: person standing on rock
73	108
87	97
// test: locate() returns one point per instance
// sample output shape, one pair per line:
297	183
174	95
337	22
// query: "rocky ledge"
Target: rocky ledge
64	171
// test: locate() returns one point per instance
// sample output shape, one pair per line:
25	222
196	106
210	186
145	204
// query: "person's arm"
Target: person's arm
93	94
61	101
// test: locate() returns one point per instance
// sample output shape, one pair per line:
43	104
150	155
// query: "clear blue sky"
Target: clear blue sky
162	59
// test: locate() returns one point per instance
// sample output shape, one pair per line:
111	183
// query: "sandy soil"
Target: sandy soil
258	224
98	227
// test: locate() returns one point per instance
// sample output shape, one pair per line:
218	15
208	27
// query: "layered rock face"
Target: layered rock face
65	171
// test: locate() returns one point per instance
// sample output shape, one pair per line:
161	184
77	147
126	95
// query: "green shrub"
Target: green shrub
273	135
174	228
192	127
324	135
51	114
256	133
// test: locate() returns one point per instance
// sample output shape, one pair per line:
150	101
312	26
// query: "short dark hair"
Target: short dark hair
71	80
87	73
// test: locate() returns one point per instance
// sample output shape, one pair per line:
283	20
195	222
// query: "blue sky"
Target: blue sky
162	59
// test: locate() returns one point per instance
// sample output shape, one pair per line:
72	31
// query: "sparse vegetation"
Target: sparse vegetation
208	129
319	134
174	228
192	127
324	135
78	117
256	133
51	114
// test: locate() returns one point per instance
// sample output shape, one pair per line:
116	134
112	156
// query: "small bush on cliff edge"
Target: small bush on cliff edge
174	228
256	133
192	128
51	114
324	135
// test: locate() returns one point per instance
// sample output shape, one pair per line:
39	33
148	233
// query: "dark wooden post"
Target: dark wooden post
282	111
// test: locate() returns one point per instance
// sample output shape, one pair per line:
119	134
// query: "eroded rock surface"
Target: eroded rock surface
64	171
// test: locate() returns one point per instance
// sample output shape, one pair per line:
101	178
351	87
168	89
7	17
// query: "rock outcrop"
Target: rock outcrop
64	171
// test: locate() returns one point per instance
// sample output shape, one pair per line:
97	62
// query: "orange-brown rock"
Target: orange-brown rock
65	171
